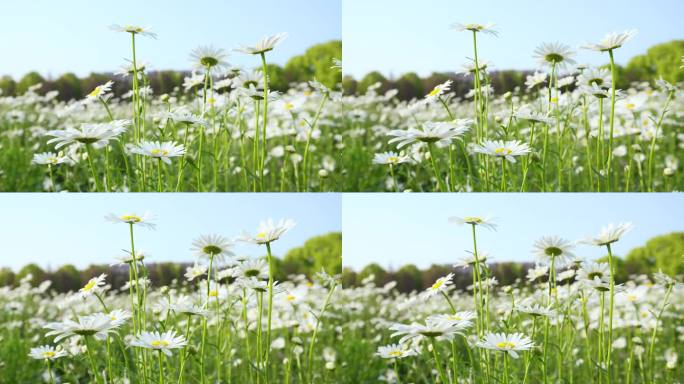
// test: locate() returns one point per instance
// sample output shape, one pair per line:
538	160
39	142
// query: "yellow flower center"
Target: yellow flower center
630	106
48	354
159	152
554	100
396	353
438	284
91	284
505	345
631	298
472	220
52	160
290	298
435	91
289	106
261	235
393	159
213	293
131	218
160	343
95	92
455	318
307	93
503	151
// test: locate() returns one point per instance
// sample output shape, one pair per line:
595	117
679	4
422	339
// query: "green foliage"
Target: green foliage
69	87
409	278
29	80
660	60
7	277
370	79
34	270
316	63
8	85
323	251
381	276
409	85
662	252
66	278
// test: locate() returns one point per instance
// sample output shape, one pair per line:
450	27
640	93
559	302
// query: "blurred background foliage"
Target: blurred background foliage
322	252
314	63
662	60
664	253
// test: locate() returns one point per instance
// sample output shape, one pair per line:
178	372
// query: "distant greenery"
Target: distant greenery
314	63
664	253
660	60
319	252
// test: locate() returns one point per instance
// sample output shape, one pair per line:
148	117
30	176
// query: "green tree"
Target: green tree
661	252
35	271
371	79
316	62
409	278
318	252
30	79
66	278
380	275
69	87
7	277
8	85
409	86
660	60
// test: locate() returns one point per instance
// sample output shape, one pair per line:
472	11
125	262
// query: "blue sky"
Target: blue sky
398	36
397	229
56	229
53	37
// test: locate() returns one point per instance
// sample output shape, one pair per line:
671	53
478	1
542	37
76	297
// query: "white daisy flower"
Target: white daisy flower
474	27
144	220
47	352
609	234
48	158
441	285
484	221
158	150
207	246
134	30
506	343
556	248
94	286
395	351
163	342
266	44
390	158
554	54
612	41
269	231
506	149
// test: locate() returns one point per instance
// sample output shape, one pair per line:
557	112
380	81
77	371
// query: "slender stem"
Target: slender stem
612	123
92	168
440	182
161	368
159	175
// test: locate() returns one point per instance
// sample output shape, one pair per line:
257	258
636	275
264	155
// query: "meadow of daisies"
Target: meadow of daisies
224	131
569	322
227	322
570	129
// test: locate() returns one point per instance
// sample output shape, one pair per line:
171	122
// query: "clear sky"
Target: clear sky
397	229
56	229
53	37
398	36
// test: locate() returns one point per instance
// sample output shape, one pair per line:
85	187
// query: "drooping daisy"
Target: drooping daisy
554	248
469	259
612	41
134	30
269	231
537	272
506	343
554	54
144	220
183	115
395	351
158	150
441	285
474	27
163	342
609	234
266	44
463	318
390	158
46	352
127	258
484	221
98	325
207	246
208	57
537	78
97	134
431	132
535	310
438	91
506	149
525	113
94	286
197	270
433	328
100	91
48	158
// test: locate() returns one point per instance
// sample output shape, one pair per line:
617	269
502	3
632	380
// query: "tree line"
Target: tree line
661	60
315	62
664	253
319	252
